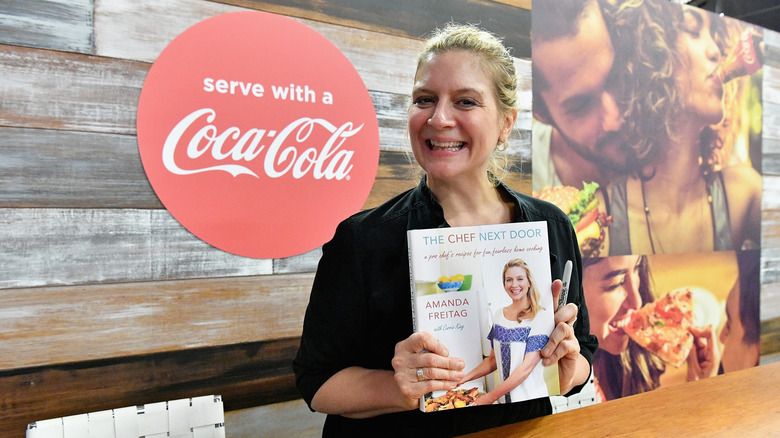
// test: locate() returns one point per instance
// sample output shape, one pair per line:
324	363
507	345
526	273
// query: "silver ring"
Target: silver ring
420	376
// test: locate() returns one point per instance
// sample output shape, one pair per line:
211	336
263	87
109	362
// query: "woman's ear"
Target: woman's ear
510	117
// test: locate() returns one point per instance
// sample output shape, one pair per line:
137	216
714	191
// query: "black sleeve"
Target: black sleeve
336	318
564	245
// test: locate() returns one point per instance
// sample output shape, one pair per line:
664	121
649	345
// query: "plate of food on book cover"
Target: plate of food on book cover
454	398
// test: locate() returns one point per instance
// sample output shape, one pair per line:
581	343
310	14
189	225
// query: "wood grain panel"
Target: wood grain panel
770	156
50	24
141	30
411	18
62	247
770	218
60	90
246	375
770	136
72	169
56	325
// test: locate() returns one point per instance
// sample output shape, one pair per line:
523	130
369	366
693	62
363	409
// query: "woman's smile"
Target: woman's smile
452	146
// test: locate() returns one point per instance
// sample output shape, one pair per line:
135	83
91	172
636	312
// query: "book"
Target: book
472	289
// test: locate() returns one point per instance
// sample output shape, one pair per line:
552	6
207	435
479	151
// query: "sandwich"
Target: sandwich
582	207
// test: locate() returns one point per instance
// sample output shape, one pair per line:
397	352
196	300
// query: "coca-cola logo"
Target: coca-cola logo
257	134
748	55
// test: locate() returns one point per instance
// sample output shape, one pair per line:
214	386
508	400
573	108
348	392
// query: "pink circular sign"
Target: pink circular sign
257	134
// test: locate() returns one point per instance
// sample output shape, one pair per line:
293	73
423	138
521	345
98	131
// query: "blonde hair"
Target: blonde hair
533	293
497	62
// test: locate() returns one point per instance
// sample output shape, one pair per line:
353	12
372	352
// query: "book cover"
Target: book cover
484	292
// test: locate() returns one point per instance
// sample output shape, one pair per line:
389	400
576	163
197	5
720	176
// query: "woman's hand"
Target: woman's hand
704	357
439	372
484	400
563	346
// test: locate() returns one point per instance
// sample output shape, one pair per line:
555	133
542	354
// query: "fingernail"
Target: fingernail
461	364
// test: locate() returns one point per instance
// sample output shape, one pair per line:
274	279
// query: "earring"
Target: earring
502	145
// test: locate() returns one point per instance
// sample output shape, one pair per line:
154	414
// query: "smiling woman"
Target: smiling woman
614	287
366	369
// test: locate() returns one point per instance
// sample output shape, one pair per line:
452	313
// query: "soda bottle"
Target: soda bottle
746	58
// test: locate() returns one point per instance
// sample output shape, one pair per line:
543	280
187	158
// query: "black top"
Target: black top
360	307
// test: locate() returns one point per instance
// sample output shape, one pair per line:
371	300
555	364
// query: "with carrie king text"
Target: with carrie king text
471	289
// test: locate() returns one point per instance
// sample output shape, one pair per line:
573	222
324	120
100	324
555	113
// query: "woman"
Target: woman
614	287
672	95
518	341
359	360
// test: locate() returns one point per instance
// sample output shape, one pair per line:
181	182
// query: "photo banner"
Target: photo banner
647	132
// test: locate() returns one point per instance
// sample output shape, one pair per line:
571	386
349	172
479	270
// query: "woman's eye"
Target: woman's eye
618	283
419	101
692	24
468	102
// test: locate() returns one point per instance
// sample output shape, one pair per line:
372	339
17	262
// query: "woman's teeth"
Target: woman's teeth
622	322
447	146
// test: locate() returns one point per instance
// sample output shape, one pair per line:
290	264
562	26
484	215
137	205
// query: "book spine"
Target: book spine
413	293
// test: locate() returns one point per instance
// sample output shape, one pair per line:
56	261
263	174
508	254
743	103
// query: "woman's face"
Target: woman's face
455	122
516	283
697	78
611	289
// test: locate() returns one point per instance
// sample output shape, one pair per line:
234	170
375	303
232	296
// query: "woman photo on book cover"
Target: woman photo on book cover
359	359
516	341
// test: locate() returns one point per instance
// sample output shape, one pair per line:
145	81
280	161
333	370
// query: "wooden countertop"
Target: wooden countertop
743	403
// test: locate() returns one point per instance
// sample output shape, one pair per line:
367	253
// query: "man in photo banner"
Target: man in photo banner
575	132
653	116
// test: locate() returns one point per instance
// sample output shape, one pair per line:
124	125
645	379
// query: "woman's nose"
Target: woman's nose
441	116
633	299
712	51
611	118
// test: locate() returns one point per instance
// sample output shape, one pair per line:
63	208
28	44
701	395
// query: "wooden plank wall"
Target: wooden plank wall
105	300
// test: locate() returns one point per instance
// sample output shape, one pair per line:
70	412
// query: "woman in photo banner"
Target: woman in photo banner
517	341
359	360
614	288
679	195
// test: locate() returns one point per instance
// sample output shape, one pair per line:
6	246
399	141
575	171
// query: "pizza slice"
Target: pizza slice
663	327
